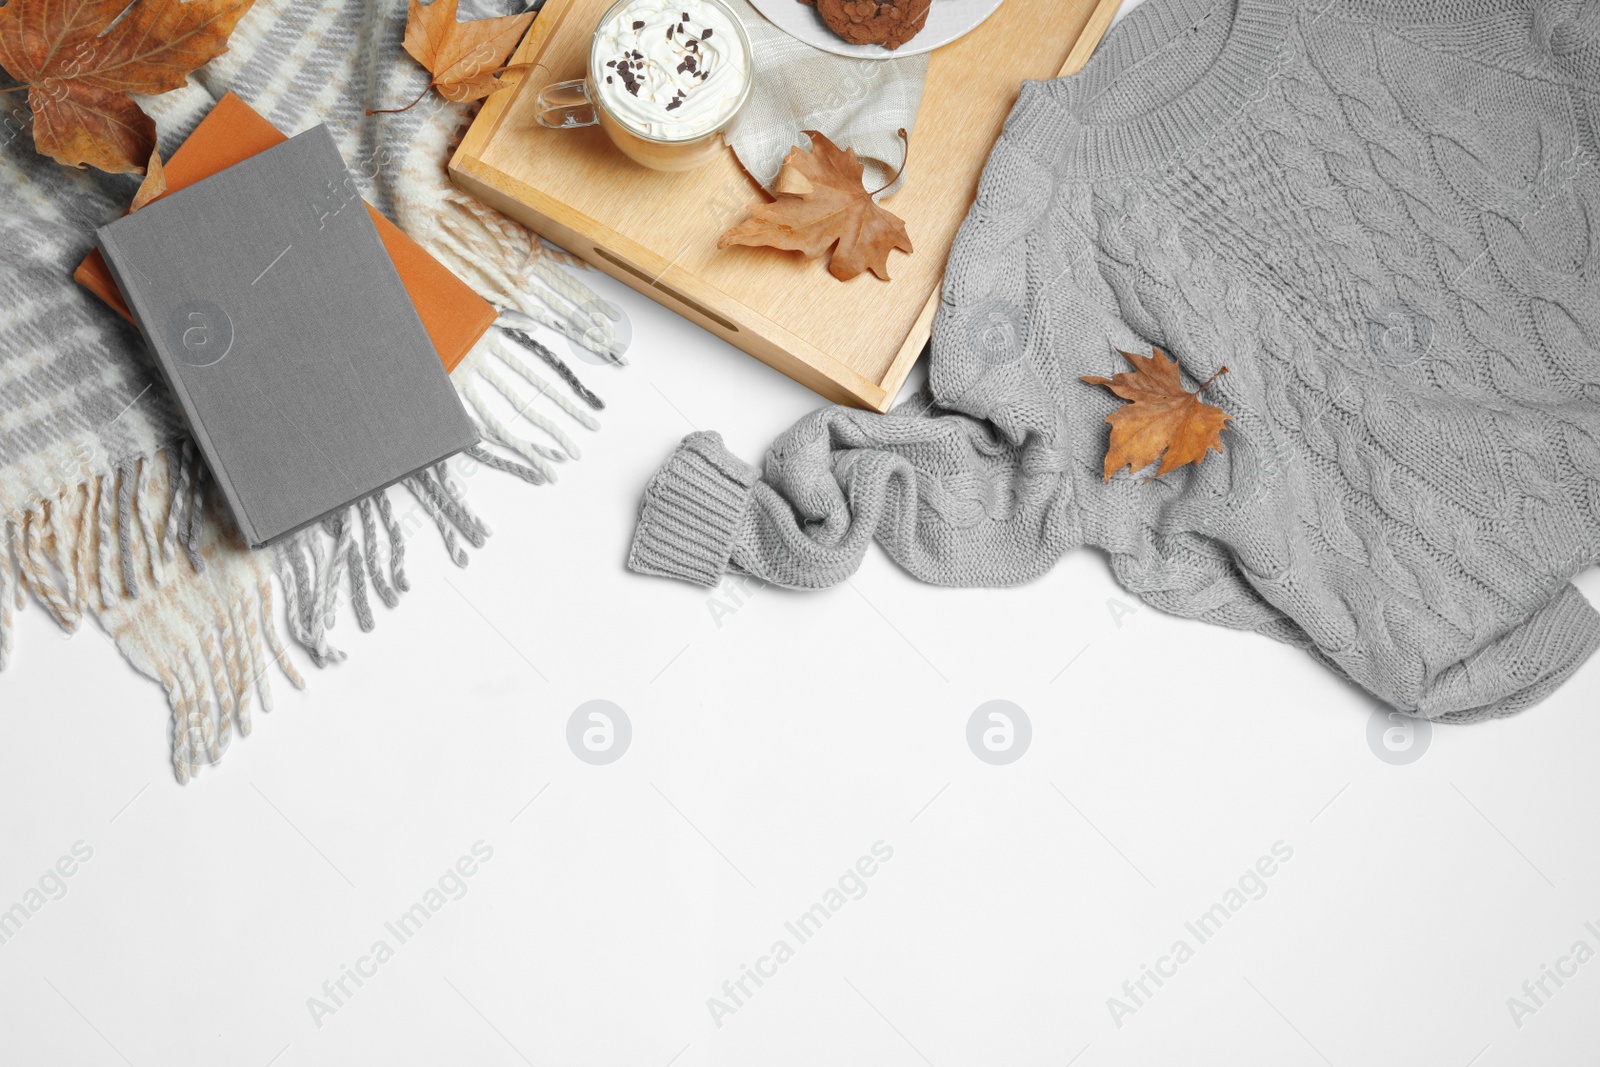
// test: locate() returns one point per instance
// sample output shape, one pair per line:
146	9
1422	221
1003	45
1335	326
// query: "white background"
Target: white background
776	738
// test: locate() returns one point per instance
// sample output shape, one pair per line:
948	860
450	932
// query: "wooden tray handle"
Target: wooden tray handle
1099	22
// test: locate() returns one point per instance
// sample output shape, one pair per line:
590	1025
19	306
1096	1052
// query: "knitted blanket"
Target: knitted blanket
106	511
1384	217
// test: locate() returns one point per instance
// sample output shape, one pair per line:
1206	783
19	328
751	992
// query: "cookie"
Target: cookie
890	23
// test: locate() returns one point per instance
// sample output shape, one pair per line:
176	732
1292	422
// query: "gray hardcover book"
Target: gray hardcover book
287	337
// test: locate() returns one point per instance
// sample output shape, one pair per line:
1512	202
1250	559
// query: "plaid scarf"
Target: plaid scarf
106	510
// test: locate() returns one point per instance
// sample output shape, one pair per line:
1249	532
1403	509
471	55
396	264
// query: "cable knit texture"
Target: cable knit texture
1384	217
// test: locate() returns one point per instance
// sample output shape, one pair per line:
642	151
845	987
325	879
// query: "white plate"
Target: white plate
947	20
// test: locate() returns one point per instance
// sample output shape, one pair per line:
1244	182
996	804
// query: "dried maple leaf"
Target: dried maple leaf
78	72
154	184
465	58
822	203
1163	417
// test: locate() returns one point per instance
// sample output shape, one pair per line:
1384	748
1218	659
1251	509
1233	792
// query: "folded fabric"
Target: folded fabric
858	103
1382	218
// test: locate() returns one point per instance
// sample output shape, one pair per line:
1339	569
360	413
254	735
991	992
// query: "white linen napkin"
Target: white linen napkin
855	103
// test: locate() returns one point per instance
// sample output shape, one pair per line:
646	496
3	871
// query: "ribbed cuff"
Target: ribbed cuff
1522	667
692	510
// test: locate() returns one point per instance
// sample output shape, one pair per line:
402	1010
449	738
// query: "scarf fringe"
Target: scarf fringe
188	605
101	548
506	263
481	378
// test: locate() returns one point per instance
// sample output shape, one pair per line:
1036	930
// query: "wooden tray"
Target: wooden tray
854	342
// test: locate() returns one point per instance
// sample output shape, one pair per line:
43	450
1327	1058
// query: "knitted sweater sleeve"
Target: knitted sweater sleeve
951	500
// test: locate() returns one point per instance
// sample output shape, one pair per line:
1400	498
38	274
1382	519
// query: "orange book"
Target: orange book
454	316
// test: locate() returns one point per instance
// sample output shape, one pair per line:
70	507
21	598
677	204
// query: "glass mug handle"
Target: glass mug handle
566	105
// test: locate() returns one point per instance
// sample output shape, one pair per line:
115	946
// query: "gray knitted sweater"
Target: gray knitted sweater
1384	217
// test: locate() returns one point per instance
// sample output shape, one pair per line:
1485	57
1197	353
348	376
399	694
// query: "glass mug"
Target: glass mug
582	102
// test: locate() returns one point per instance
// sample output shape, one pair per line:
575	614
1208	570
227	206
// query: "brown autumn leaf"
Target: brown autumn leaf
1163	417
154	184
79	73
467	60
822	203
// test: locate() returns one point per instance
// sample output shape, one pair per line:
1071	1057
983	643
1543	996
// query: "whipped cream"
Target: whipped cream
670	69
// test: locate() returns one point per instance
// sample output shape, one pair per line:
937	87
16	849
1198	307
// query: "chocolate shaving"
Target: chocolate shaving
638	25
706	35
